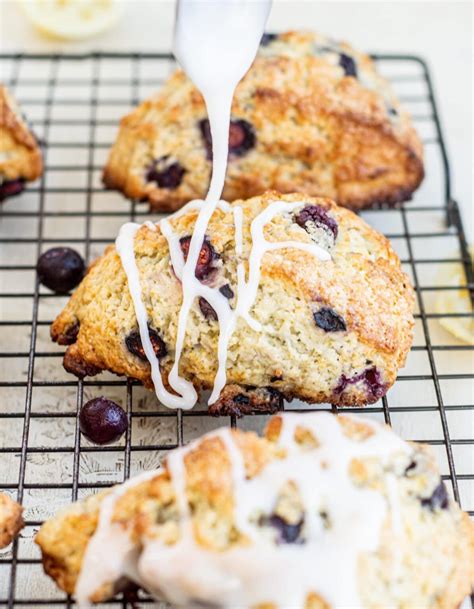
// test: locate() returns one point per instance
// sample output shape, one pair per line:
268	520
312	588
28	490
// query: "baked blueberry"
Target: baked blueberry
227	291
348	64
317	215
439	499
207	310
10	188
60	269
69	336
286	533
241	137
267	38
135	346
102	421
371	378
206	257
328	320
165	172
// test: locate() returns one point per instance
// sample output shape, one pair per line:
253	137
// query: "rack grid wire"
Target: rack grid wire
73	103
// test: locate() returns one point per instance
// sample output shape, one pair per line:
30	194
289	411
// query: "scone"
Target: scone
323	512
20	155
330	331
11	521
311	115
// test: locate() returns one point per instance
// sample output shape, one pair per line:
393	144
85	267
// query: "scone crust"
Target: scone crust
363	282
20	154
317	131
148	511
11	520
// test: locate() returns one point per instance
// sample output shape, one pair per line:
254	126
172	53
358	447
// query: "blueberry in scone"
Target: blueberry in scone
11	520
311	115
322	512
20	155
334	330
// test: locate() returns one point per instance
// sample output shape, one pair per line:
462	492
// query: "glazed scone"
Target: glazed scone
311	115
331	331
20	155
322	512
11	520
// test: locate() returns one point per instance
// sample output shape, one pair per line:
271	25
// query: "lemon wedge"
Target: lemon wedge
455	301
72	19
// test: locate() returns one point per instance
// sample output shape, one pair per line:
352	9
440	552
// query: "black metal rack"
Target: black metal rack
71	102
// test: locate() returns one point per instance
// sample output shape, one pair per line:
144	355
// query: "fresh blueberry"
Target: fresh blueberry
165	172
207	310
60	269
241	137
206	257
134	344
439	499
267	38
102	421
348	64
227	291
10	188
317	215
286	533
329	321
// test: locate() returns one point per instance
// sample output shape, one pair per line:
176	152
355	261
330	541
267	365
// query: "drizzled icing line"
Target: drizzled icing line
259	570
246	292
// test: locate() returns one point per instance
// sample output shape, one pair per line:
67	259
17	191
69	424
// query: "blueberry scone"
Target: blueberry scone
333	329
311	115
20	155
322	512
11	521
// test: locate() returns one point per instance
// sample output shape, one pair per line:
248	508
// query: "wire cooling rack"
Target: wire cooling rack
74	103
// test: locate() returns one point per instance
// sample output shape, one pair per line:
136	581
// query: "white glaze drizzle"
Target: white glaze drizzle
259	570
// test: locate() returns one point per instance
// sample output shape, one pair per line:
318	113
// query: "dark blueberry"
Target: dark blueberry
267	38
410	467
10	188
60	269
286	533
318	215
165	172
241	137
241	400
329	321
439	499
371	378
348	64
69	336
102	421
205	259
374	383
226	291
134	344
207	310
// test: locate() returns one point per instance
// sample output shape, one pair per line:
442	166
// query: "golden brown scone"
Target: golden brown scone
11	520
423	550
334	331
311	115
20	154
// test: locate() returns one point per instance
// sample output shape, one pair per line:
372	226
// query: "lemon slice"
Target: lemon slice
455	301
72	19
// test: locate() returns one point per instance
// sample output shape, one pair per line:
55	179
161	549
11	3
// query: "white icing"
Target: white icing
258	570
